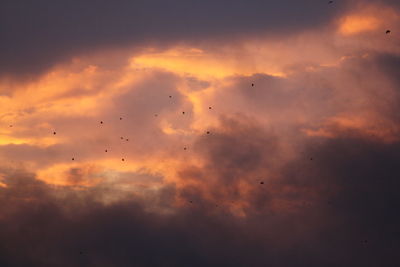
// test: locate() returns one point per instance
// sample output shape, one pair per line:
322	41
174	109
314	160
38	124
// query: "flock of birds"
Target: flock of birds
127	139
208	132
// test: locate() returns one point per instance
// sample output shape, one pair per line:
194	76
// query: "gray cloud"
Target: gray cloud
37	35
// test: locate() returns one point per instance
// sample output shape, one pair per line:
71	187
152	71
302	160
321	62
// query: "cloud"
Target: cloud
343	201
38	35
259	140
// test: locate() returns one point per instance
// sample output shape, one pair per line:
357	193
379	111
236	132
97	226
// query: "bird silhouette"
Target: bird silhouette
330	2
388	31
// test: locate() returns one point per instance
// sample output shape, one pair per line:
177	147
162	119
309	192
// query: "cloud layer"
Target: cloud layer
154	134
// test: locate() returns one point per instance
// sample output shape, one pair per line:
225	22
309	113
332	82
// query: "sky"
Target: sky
209	133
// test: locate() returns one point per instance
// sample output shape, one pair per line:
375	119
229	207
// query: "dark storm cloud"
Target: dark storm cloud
354	216
35	35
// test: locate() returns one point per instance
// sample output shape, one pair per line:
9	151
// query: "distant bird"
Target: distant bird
54	133
73	159
208	132
106	150
170	96
311	158
184	148
252	84
155	115
120	118
209	107
191	201
183	112
122	138
123	159
388	31
11	126
261	182
127	139
330	2
101	122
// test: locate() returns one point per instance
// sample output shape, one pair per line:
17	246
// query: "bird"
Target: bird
120	118
183	112
311	158
122	138
184	148
106	150
330	2
127	139
123	159
11	126
261	182
155	115
209	107
208	132
73	158
54	133
252	84
191	201
170	96
388	31
101	122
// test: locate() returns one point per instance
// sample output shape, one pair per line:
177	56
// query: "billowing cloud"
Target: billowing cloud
208	134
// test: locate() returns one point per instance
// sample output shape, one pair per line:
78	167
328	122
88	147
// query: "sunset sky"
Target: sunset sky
199	133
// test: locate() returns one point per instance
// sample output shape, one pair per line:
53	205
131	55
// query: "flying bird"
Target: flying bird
54	133
209	107
252	84
208	132
388	31
261	182
73	158
101	122
330	2
123	159
183	112
106	150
